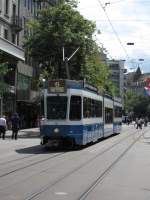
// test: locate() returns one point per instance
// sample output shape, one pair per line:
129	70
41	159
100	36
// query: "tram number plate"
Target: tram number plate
56	86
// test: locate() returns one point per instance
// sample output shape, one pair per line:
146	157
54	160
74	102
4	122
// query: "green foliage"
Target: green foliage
62	25
3	68
56	27
3	88
137	103
95	71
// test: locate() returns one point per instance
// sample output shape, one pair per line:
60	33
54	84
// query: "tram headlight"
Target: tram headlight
56	130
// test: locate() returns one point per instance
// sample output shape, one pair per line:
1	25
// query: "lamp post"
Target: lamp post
130	43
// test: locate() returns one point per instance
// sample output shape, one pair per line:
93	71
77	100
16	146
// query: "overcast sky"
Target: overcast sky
129	22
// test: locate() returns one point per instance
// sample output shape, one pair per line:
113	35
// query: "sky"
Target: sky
120	22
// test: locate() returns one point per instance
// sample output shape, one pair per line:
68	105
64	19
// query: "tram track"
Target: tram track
25	157
17	159
43	160
30	165
50	185
84	195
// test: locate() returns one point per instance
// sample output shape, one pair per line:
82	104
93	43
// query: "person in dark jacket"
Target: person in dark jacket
15	120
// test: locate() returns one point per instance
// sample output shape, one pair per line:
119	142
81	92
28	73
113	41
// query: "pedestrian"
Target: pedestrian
3	127
139	123
15	120
145	121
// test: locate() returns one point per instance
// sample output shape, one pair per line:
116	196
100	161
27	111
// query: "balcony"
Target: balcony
16	23
11	49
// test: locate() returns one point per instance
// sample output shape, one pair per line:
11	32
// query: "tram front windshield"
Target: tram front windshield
56	107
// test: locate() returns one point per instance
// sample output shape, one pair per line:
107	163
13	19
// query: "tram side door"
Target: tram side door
108	117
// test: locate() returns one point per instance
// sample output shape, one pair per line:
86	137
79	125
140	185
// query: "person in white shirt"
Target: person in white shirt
2	126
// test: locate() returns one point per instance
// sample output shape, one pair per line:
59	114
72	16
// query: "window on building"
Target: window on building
25	3
6	34
29	4
14	10
0	6
6	7
14	38
24	25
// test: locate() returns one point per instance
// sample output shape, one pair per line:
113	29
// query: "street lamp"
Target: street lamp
130	43
141	59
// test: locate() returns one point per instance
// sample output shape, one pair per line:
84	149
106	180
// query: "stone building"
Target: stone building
21	94
117	69
10	52
136	81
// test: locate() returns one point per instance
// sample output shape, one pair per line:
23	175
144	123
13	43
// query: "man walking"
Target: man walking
3	127
15	125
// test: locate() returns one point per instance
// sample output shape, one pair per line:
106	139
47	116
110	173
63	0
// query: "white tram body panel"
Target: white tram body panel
87	117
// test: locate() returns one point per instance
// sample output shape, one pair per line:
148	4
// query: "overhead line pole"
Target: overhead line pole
66	60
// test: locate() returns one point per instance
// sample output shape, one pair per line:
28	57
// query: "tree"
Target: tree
137	103
54	28
62	26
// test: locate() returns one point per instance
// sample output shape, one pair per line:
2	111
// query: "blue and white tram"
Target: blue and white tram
75	113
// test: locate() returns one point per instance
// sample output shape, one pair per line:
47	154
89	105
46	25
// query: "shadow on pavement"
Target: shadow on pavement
38	149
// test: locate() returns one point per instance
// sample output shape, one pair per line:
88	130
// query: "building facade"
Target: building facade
136	81
20	95
117	74
10	52
27	94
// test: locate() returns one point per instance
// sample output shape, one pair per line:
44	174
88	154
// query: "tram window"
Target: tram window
86	107
108	115
75	108
56	107
93	114
118	111
98	109
92	108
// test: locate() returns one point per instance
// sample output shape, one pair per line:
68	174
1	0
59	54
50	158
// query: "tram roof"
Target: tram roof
78	84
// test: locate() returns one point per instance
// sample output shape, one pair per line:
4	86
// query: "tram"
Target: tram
75	113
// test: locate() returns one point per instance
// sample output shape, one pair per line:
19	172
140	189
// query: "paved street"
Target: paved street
115	168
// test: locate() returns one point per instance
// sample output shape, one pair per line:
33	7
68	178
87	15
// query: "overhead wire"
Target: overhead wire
116	34
102	46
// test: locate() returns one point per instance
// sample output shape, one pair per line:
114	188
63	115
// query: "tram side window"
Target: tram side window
108	115
118	111
98	109
75	108
86	107
91	108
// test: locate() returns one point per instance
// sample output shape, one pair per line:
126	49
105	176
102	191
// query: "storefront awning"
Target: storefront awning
12	49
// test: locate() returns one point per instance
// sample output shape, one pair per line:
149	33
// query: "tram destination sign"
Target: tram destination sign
56	86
